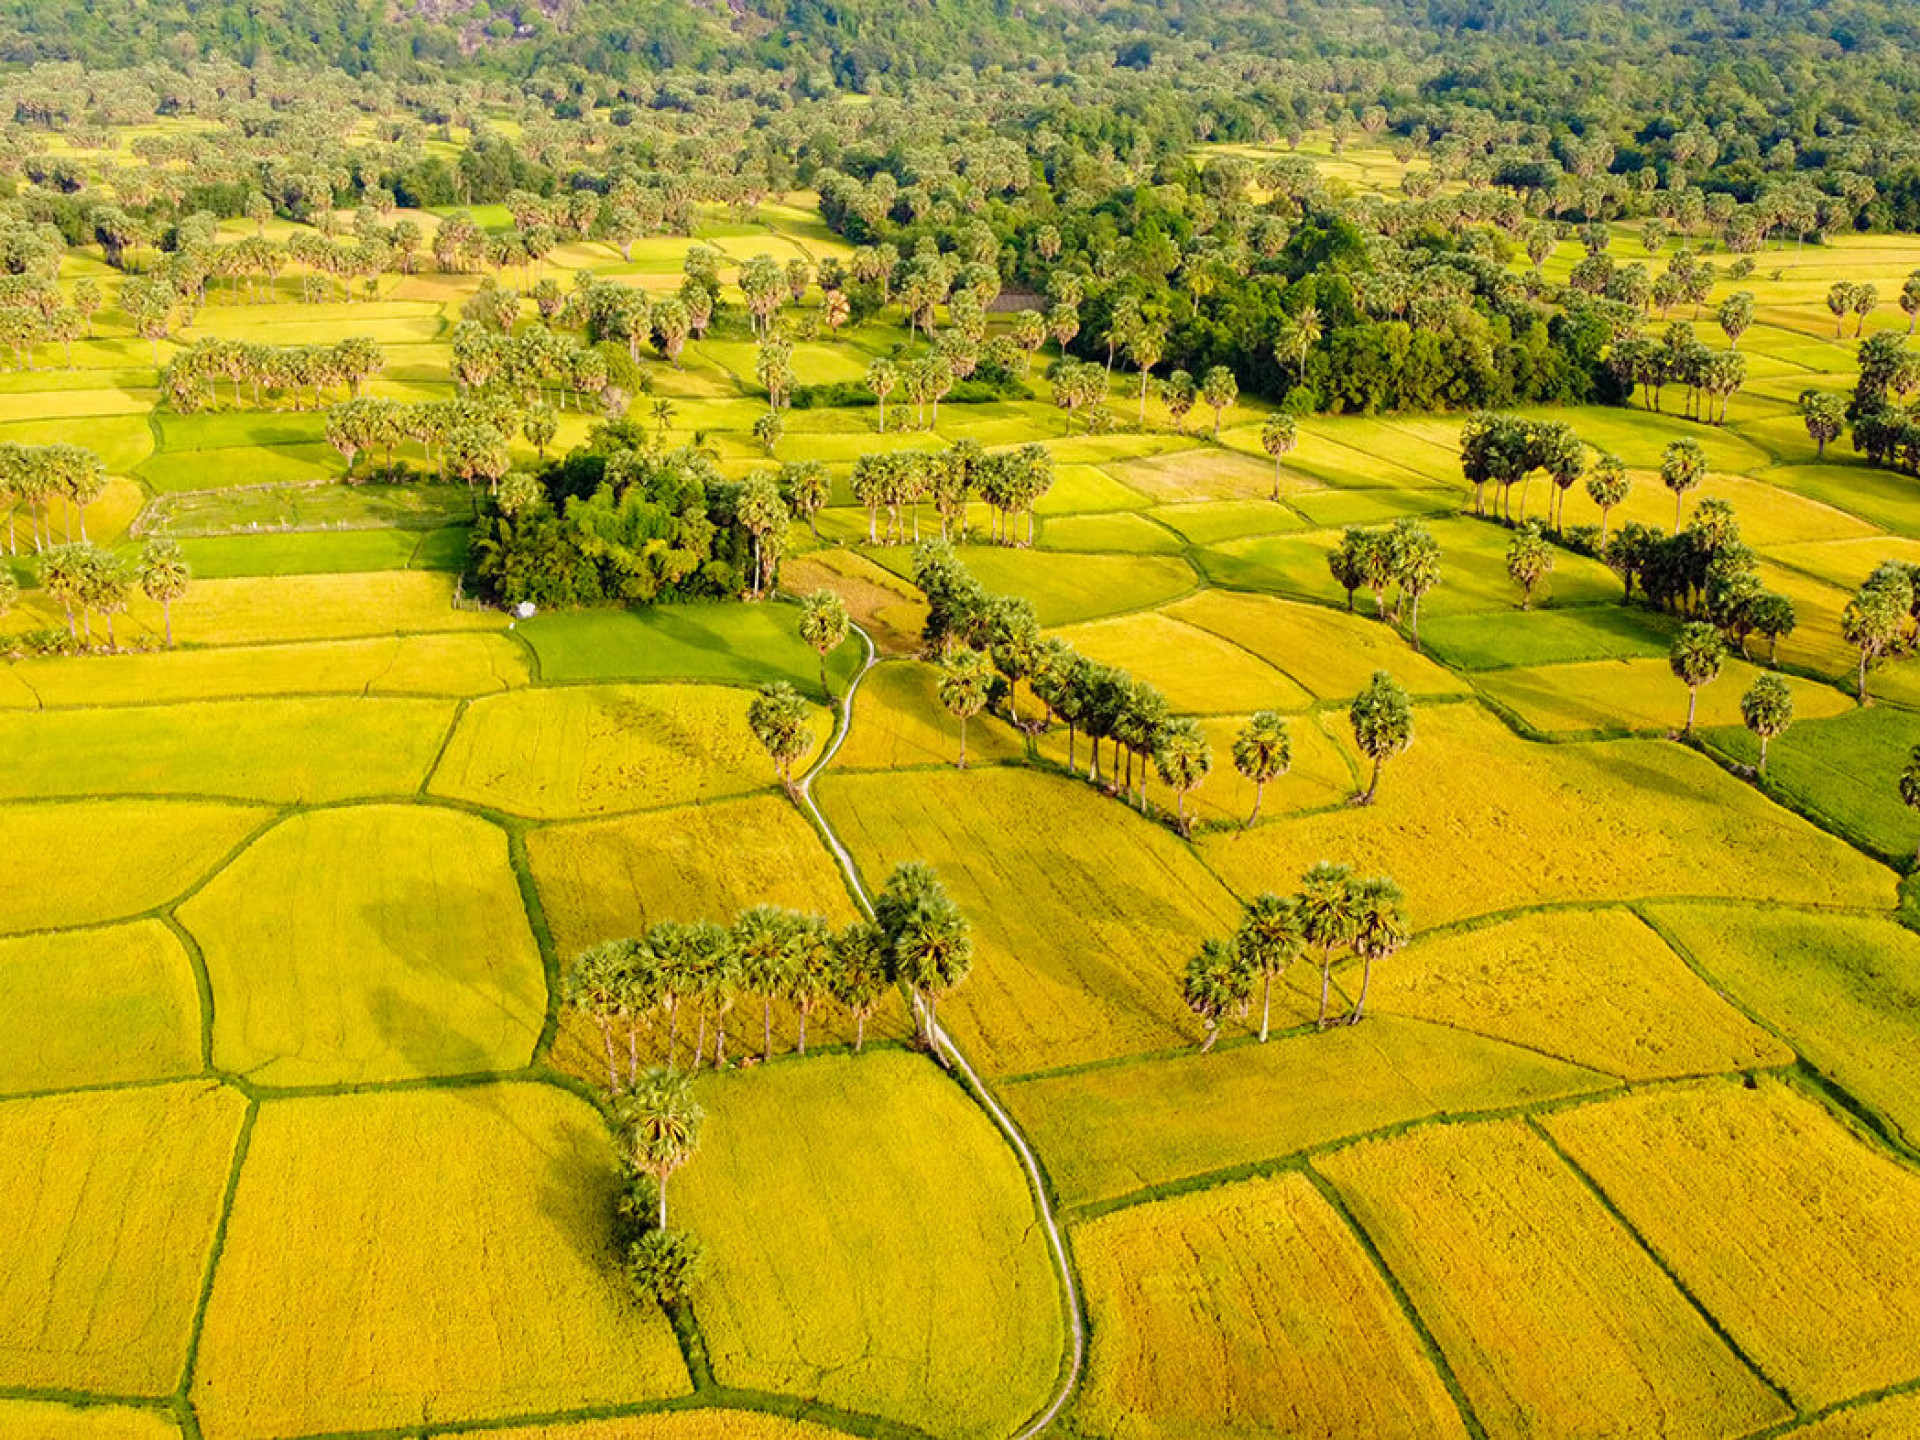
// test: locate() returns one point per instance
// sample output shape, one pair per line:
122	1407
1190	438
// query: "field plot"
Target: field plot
84	861
842	1200
1067	587
308	751
1799	1238
316	607
1123	532
898	722
604	879
1198	672
888	608
401	1202
1472	820
1082	966
671	1425
113	1201
95	1007
1208	522
1596	988
1112	1130
454	665
1548	637
1329	653
593	750
1897	1418
745	644
1555	1322
1203	474
1844	988
374	942
324	552
1284	1327
1639	695
48	1420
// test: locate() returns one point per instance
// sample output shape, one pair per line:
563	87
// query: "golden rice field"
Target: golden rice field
899	723
52	1420
1198	672
442	1178
1639	695
672	1425
1304	1337
1328	653
1588	1337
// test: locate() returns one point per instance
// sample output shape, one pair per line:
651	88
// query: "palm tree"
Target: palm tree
966	677
1417	571
882	377
814	967
823	625
1262	751
1607	486
1219	389
1529	560
860	975
1298	336
659	1123
1183	759
1217	980
1682	465
767	941
1382	717
1325	910
713	971
763	514
1269	940
1278	435
929	946
1910	783
779	721
593	988
1767	708
1695	658
1379	929
1872	622
163	576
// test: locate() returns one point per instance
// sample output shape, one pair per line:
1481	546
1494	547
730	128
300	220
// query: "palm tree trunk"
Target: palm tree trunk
1860	687
1762	767
1326	980
673	1029
766	1027
661	1181
613	1070
803	1031
633	1051
963	742
720	1040
1266	1006
1259	794
1374	783
1360	1005
1213	1033
1693	700
859	1032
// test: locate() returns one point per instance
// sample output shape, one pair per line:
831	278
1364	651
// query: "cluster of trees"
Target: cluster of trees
89	580
1333	914
1704	572
898	482
1883	619
190	379
1402	557
1885	428
35	477
1711	377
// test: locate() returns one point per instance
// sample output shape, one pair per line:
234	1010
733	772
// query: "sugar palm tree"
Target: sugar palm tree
1269	940
1262	751
163	577
966	677
659	1123
1382	717
1608	485
1183	759
824	624
1767	709
779	721
1910	784
1325	909
1379	929
1696	657
1682	466
1217	980
810	981
928	943
593	989
767	941
1279	433
860	975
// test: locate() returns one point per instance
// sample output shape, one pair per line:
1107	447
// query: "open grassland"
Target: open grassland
1082	914
452	665
1199	672
1639	695
1112	1130
899	723
743	644
50	1420
401	1202
594	750
97	1007
1472	820
844	1202
1303	1337
604	879
303	751
370	943
672	1425
113	1201
1329	654
1797	1236
85	861
1844	988
1597	988
1586	1337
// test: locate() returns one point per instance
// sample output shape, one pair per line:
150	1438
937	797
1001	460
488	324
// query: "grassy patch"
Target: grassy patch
1111	1131
104	1244
293	751
1584	1326
1198	671
1596	988
1639	695
400	1203
1247	1311
1208	522
1330	653
1201	474
843	1201
1471	820
312	607
744	644
1082	914
594	750
98	1006
1895	1418
313	552
1797	1237
370	943
889	609
86	861
673	1425
401	507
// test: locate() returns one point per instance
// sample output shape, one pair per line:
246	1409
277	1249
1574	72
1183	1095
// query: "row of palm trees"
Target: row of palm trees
88	580
37	476
1011	482
189	380
1334	913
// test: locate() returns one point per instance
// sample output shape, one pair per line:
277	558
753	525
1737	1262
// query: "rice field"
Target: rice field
1199	672
1639	696
899	723
52	1420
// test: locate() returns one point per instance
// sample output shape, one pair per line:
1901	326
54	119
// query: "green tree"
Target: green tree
860	975
779	720
1219	389
1417	571
1279	433
1767	708
1183	759
824	624
540	426
1325	911
1217	980
1696	657
1825	416
1682	466
1269	940
659	1123
1608	485
929	945
163	577
1529	560
767	940
883	377
593	989
1262	752
1379	929
966	679
763	515
1910	784
814	967
1872	623
1382	717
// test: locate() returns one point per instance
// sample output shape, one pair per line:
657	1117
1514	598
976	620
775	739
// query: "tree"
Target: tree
1697	654
1608	485
1865	297
1262	752
779	721
860	975
1529	560
806	487
1682	466
882	378
1417	570
1183	759
1767	707
1269	940
107	582
1825	416
540	426
1839	302
1279	433
811	979
824	624
966	679
659	1122
1217	980
1382	717
1910	783
1219	389
766	939
1736	316
163	577
593	989
763	515
1298	335
1324	910
929	944
1379	929
1872	622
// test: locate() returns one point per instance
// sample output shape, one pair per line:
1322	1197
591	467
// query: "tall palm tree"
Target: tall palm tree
767	942
1279	433
860	975
1325	911
1382	717
1262	751
966	678
1910	783
1379	929
814	961
824	624
1183	759
163	576
1269	940
1695	659
929	945
660	1123
1217	980
593	989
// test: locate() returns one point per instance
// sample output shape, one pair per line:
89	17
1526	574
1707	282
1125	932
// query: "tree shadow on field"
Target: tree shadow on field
577	1188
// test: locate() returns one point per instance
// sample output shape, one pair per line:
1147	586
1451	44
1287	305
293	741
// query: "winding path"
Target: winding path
941	1039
